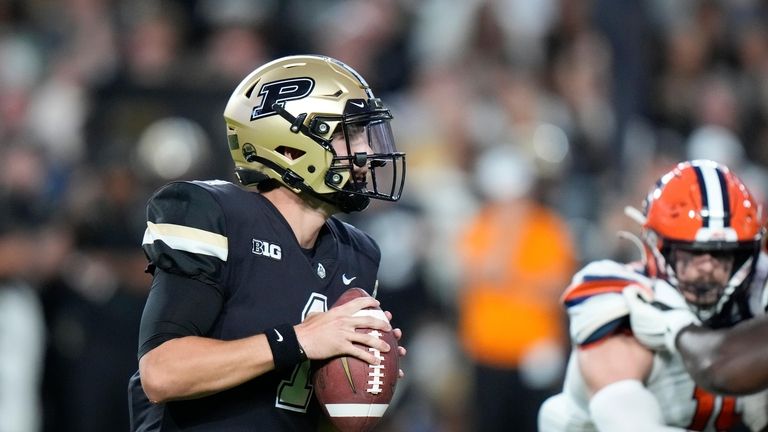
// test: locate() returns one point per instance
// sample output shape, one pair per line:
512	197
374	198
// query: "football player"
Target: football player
243	275
702	231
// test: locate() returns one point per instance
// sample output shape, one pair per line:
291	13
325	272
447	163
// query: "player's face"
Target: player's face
358	143
702	277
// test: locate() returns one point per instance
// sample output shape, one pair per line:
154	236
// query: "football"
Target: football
353	394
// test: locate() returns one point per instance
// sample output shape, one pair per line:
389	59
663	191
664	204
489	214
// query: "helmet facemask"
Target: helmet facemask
366	163
709	275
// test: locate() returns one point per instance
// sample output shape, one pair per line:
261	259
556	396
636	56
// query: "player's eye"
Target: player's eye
354	130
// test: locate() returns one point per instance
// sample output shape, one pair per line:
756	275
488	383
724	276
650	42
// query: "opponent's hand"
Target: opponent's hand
656	323
332	333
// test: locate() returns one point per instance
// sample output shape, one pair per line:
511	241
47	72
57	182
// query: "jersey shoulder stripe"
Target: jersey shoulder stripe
187	231
578	293
601	277
187	239
595	305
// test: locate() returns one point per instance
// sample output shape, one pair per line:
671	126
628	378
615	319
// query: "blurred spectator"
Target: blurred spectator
22	335
93	307
232	52
22	329
373	39
517	256
153	44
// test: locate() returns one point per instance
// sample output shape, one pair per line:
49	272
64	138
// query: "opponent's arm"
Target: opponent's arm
614	370
731	361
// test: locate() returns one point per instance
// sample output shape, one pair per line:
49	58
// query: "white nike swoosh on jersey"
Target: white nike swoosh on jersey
346	280
279	336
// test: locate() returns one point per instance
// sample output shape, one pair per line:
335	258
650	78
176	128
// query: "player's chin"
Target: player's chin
702	296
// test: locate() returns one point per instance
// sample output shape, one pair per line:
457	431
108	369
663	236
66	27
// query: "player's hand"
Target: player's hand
656	323
401	351
332	333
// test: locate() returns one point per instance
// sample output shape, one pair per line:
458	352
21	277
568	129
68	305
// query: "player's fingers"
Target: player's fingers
388	315
398	333
639	292
401	351
357	304
370	321
373	341
633	297
363	355
400	373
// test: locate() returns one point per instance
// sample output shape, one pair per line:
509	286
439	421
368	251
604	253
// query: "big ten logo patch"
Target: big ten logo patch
267	249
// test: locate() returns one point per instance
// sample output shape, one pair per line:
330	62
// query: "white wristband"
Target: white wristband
627	406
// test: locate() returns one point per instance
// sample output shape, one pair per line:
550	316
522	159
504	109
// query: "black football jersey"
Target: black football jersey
237	242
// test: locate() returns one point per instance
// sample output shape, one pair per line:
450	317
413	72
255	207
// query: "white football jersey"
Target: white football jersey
596	309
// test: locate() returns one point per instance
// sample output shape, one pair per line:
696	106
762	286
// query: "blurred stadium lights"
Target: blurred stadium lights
172	148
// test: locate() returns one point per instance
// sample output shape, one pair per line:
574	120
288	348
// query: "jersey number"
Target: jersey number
705	406
295	393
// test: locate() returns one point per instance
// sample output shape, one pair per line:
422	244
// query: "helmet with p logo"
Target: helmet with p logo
281	121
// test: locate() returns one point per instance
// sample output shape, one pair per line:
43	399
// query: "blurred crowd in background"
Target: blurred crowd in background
528	127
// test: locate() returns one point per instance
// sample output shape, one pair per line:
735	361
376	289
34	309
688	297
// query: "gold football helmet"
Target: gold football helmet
284	117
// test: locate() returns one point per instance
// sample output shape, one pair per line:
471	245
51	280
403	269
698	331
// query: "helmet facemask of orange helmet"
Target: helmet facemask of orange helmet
704	230
709	275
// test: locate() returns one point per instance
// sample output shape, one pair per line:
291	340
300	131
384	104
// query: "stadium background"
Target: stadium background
573	105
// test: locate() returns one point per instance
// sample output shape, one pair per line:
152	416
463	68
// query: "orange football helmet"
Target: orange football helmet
702	208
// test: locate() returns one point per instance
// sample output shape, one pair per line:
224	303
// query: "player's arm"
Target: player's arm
175	361
185	365
614	370
731	361
613	364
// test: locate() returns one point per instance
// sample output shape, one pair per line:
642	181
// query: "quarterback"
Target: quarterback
244	275
701	237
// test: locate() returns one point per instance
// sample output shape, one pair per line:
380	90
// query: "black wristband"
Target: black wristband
286	350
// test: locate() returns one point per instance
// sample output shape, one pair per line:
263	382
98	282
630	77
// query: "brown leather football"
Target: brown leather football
353	394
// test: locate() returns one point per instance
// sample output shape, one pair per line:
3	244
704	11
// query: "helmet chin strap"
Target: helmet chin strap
345	202
736	280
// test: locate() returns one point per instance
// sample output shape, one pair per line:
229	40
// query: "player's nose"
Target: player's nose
706	263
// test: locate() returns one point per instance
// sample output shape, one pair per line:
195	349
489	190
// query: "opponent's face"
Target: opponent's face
702	277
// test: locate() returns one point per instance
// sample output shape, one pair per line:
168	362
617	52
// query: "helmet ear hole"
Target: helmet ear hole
290	152
249	152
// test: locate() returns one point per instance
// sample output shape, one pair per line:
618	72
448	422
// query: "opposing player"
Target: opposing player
244	276
702	234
